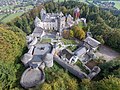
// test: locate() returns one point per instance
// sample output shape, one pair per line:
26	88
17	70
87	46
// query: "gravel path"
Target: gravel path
107	53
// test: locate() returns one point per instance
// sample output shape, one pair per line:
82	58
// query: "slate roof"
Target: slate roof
26	58
36	58
34	41
38	31
36	21
92	42
42	49
80	51
48	59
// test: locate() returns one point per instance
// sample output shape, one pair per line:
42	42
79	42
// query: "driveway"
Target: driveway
107	53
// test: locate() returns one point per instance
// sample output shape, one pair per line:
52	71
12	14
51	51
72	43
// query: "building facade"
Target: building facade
51	21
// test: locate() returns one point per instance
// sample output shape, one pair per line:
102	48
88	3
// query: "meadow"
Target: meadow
4	18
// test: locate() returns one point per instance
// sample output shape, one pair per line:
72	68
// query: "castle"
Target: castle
51	21
57	21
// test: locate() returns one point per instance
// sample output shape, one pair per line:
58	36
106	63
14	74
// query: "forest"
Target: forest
105	27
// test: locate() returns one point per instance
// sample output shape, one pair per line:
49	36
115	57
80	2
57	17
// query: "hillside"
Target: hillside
12	44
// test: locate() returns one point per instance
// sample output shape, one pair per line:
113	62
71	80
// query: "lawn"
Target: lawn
81	25
72	48
11	17
46	40
117	4
28	7
6	7
67	41
2	15
80	65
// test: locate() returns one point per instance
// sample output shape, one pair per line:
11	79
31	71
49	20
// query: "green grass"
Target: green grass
1	16
11	17
81	25
80	65
6	7
72	48
30	6
45	40
66	41
117	4
27	7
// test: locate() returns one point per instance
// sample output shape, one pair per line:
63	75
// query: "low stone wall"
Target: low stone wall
71	68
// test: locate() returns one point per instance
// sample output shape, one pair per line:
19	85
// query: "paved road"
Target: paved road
107	53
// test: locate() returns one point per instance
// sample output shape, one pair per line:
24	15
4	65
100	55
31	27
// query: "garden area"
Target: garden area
45	40
67	41
82	67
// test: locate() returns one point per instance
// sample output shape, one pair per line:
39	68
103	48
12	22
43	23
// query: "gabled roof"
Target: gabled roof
26	58
48	57
92	42
34	41
37	31
80	51
37	20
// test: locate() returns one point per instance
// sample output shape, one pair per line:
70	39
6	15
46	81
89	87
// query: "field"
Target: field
117	4
6	18
1	16
11	17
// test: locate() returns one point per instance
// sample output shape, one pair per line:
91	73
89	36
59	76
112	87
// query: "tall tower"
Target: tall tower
42	14
76	13
61	22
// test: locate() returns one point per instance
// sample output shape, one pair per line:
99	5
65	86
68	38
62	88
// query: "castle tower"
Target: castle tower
42	14
37	22
61	22
76	13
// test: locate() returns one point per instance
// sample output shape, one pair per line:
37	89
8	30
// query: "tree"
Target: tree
110	68
46	86
78	32
81	34
71	34
64	10
113	39
66	34
12	43
86	84
110	83
100	39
